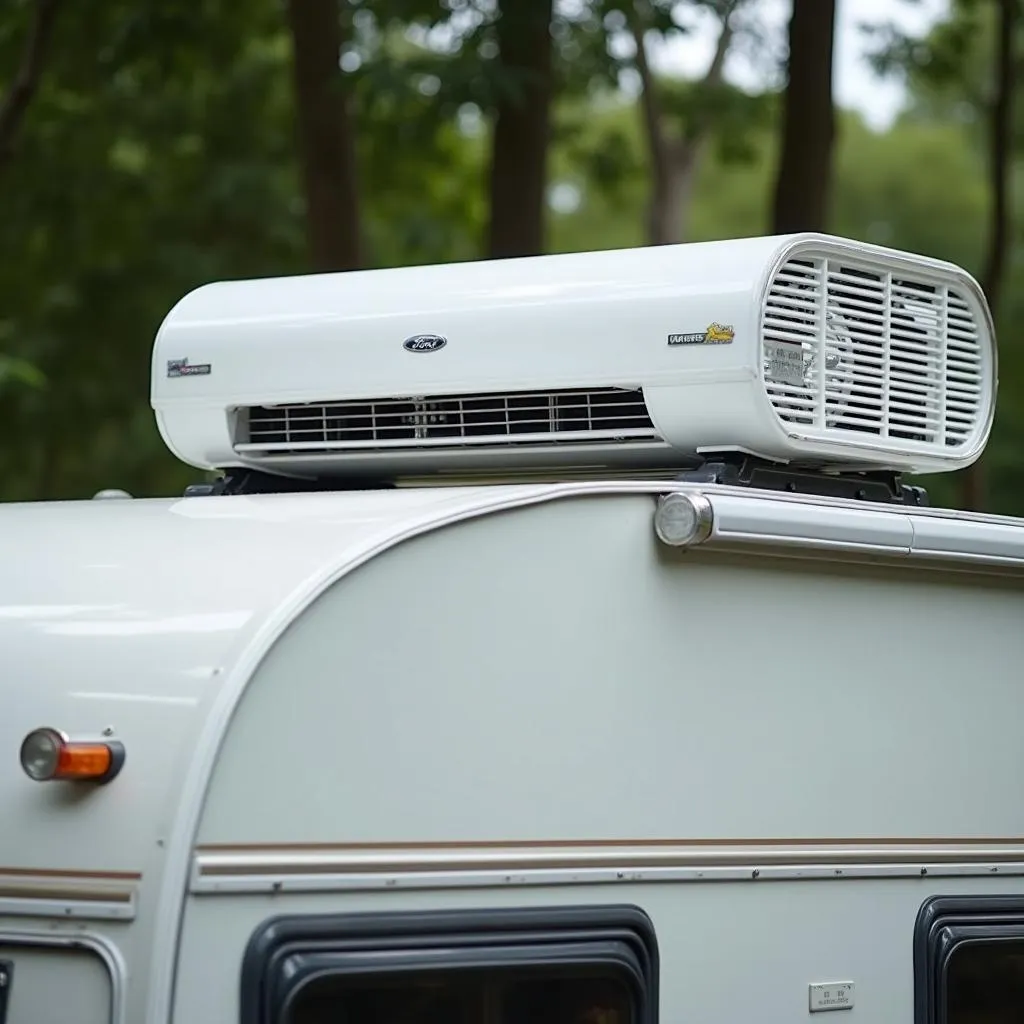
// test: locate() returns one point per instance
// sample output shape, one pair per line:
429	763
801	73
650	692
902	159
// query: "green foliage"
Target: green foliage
19	371
159	154
950	75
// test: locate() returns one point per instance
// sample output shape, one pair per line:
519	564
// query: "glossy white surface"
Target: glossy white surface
595	317
578	320
128	615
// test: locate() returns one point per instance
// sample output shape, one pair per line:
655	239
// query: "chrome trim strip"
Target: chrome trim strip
81	910
67	896
341	869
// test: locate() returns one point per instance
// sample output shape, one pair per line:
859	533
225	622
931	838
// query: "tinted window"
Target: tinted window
515	965
464	997
985	982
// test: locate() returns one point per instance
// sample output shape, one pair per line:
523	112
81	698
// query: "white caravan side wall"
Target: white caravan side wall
144	617
494	713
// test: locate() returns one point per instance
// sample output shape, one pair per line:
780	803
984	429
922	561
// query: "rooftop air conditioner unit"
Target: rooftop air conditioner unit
804	349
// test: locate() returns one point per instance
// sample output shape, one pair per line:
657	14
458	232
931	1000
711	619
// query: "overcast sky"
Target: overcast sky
854	83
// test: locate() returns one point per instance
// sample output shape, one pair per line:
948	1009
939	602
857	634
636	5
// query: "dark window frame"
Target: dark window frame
289	951
944	925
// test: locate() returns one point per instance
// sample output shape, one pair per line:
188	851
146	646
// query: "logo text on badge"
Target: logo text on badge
424	343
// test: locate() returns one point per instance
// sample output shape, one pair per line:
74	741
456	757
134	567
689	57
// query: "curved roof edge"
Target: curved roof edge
424	513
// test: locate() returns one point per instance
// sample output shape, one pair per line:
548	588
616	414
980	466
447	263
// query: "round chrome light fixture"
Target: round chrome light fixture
40	753
682	520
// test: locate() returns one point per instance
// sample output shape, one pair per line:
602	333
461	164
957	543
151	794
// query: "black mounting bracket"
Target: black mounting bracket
735	471
759	474
252	481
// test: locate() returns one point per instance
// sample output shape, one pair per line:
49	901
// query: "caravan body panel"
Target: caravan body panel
476	697
141	621
776	756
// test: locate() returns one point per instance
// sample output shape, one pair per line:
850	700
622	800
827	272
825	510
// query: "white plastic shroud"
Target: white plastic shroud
807	349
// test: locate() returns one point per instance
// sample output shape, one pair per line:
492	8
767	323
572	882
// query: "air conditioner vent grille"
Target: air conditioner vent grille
855	351
502	419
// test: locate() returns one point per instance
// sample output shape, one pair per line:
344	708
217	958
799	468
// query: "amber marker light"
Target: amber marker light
48	754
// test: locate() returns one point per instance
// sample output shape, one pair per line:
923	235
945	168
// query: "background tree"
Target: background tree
26	79
675	155
1000	148
681	119
965	73
519	153
326	134
804	177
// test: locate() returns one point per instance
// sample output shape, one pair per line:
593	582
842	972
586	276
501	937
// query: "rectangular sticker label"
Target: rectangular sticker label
713	334
785	362
836	995
183	368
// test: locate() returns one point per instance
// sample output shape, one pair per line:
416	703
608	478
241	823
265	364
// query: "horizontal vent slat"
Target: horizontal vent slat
504	418
790	296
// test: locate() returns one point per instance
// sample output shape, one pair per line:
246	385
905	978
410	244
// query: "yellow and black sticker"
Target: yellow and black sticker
713	334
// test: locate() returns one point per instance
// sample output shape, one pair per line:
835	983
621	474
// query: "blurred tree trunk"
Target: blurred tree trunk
326	135
518	172
675	160
26	79
805	164
1000	146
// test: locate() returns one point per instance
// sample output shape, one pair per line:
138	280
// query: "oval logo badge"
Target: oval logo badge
424	343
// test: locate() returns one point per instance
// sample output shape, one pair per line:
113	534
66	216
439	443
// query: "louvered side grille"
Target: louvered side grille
579	416
850	350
